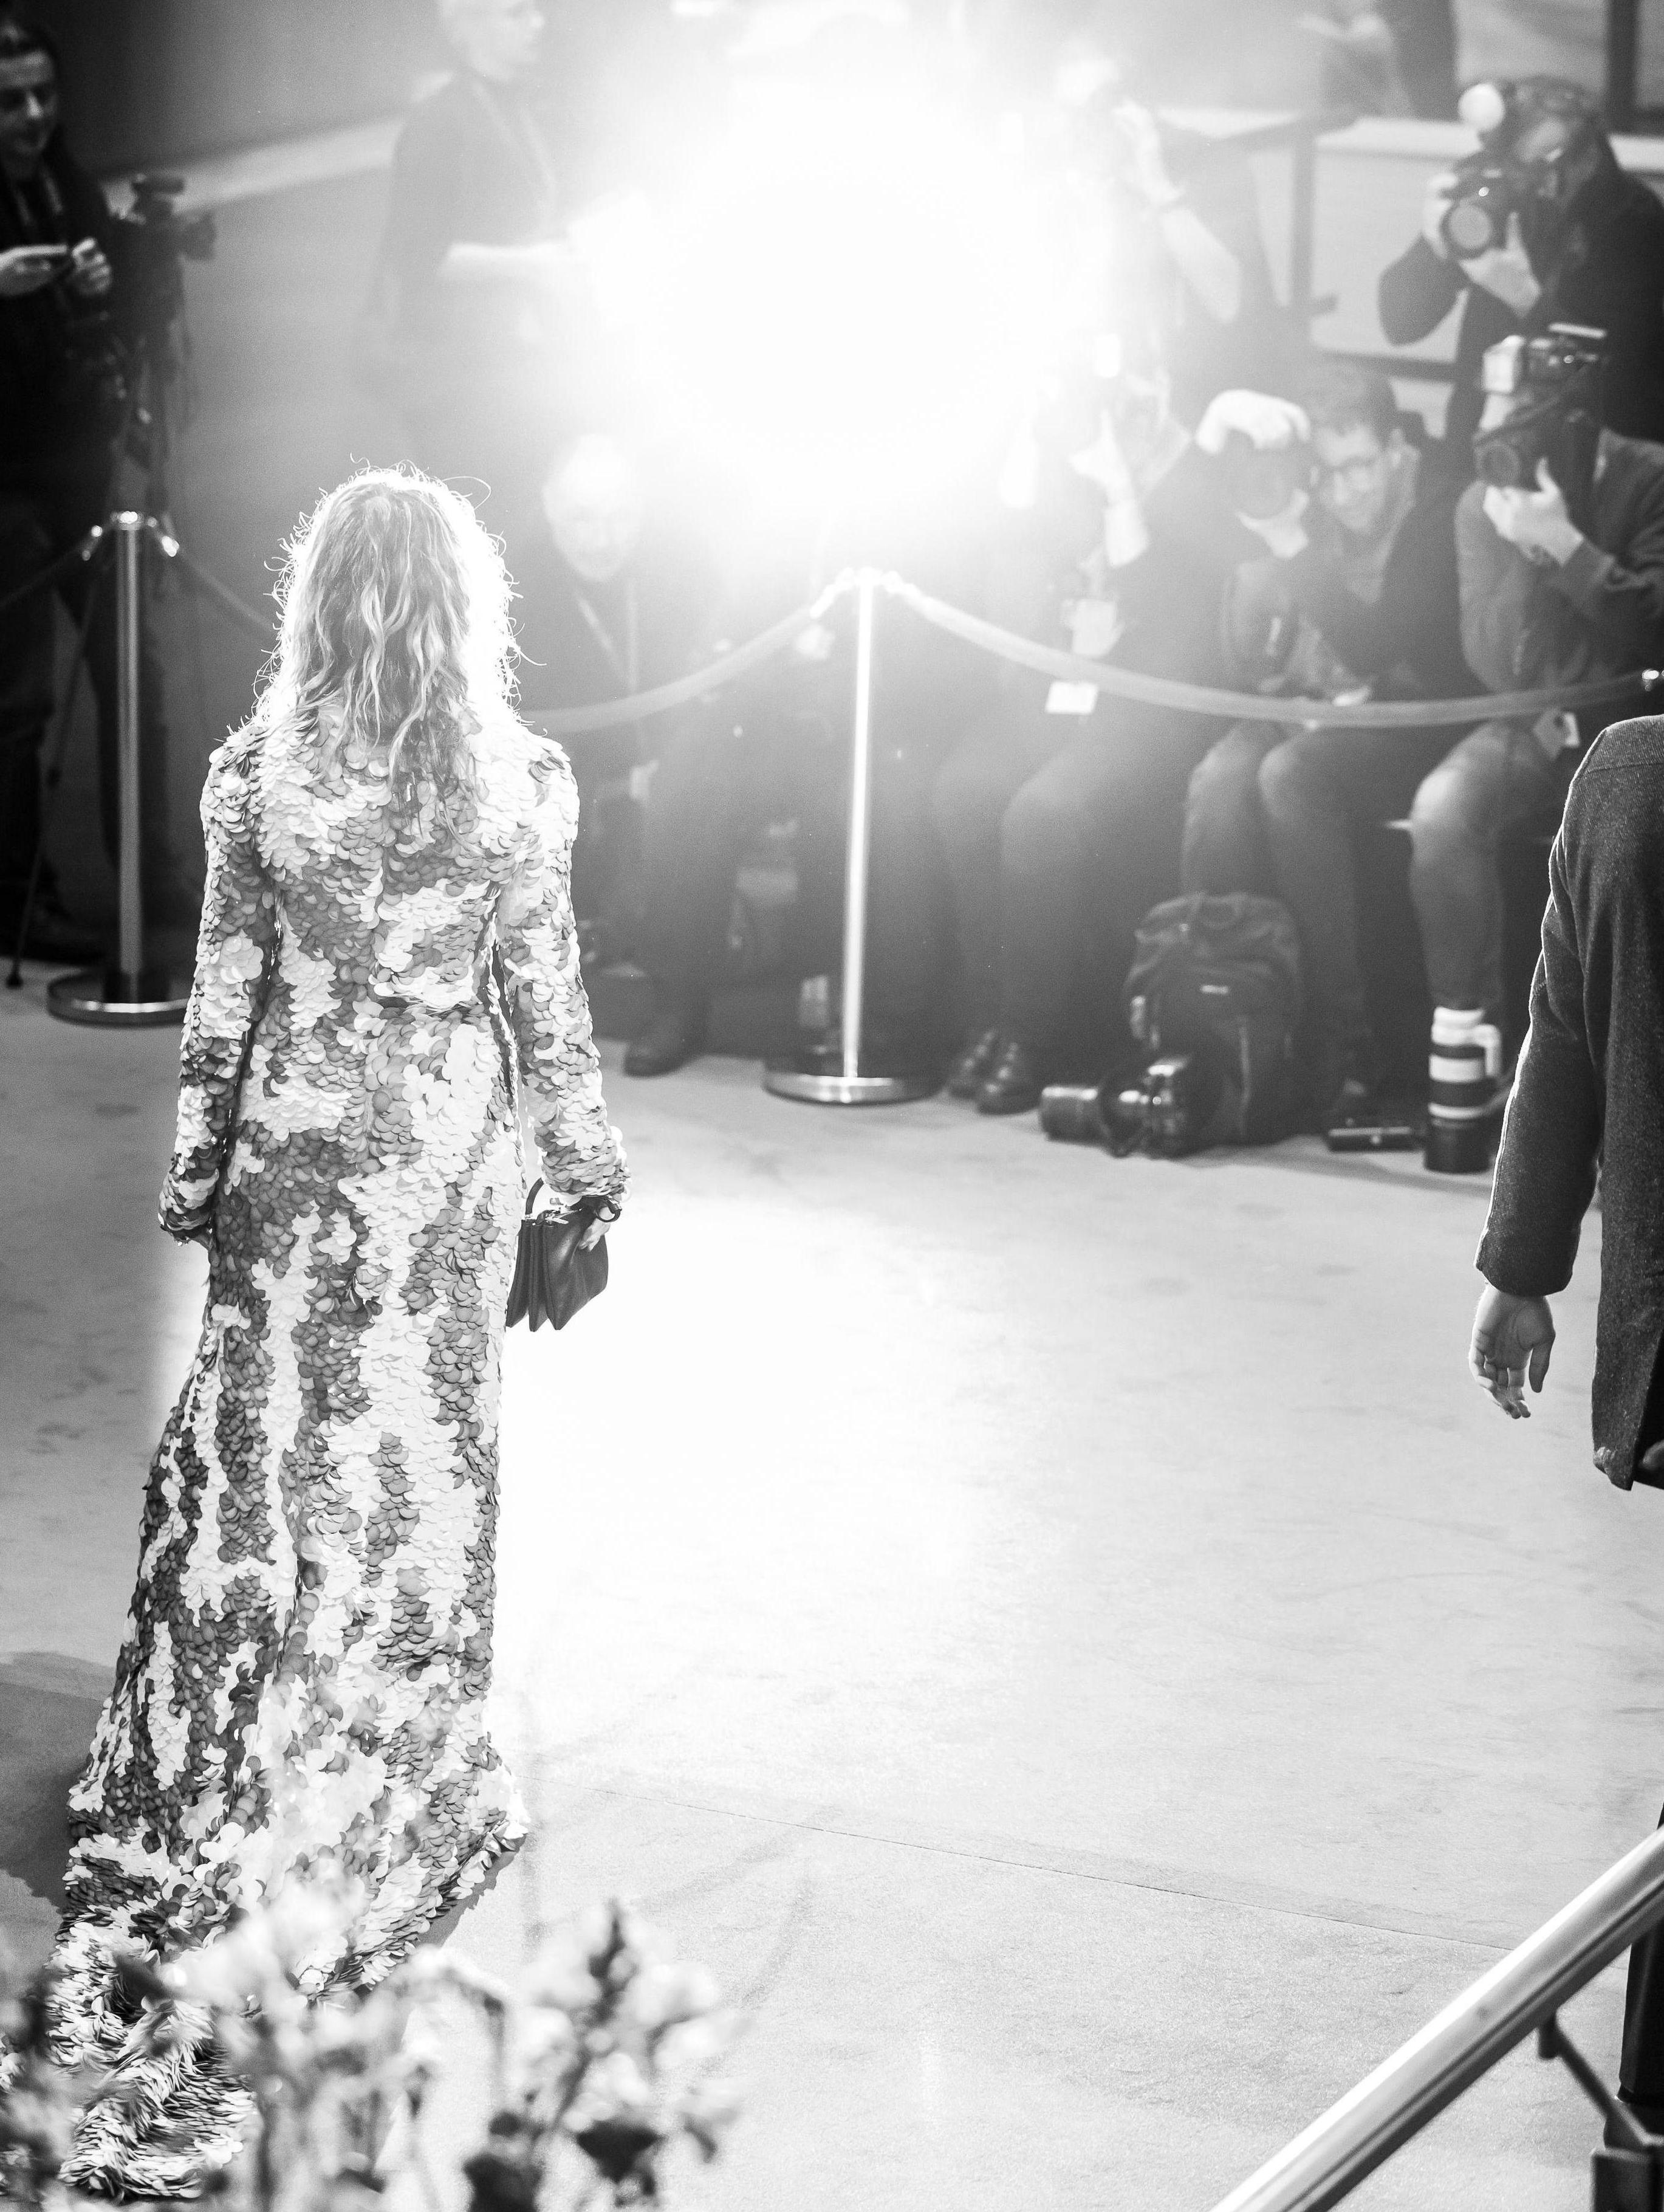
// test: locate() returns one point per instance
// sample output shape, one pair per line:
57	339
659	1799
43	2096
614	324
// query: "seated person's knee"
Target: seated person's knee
1439	811
1223	779
1035	828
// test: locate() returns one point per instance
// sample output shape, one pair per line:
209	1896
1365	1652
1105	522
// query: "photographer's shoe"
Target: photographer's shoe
1014	1082
974	1065
1354	1105
675	1035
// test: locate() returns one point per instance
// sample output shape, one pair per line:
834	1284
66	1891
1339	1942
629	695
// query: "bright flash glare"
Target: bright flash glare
848	295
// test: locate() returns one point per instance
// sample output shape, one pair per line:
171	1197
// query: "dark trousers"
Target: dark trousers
1274	810
1497	780
715	785
1059	834
44	510
1641	2069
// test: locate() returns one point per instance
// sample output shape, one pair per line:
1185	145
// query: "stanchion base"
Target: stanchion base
104	1001
816	1076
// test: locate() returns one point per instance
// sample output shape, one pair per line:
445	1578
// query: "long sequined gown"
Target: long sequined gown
306	1661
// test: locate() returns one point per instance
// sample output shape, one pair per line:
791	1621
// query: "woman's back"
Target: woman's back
398	906
387	967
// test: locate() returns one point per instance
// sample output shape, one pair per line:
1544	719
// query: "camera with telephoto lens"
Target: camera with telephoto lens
1554	381
1168	1112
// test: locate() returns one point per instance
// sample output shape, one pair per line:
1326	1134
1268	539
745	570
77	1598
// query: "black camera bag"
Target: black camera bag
1217	980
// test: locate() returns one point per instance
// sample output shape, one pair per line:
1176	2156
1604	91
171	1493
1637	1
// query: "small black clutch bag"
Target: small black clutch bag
553	1278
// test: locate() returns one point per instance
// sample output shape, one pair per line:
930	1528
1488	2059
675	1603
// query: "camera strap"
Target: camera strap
626	665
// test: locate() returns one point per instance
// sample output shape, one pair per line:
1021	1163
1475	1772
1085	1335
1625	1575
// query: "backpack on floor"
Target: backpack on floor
1213	996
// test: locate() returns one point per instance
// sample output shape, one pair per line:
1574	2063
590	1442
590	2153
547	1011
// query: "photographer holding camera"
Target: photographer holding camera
60	413
1355	597
1540	226
1560	555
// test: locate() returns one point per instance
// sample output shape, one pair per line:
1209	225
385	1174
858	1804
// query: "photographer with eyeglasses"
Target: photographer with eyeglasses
1539	226
1355	597
64	294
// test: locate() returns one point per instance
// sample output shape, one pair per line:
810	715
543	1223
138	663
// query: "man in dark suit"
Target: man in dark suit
1587	1097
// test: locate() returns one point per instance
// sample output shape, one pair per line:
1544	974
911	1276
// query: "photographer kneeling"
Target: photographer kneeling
1562	582
1356	598
59	415
1540	226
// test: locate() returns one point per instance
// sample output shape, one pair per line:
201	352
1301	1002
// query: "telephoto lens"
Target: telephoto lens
1462	1071
1073	1113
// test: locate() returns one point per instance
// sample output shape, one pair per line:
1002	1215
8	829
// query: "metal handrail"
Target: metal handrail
1428	2072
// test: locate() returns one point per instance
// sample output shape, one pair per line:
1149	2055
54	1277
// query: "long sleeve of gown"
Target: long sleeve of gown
234	954
581	1154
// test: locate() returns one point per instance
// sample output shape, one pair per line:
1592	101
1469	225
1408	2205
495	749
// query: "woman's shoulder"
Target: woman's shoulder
527	778
232	769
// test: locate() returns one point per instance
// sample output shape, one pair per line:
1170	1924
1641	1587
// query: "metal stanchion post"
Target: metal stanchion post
130	932
129	995
810	1076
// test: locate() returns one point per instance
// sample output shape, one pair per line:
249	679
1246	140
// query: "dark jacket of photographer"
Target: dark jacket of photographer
1589	1093
1408	643
1604	268
1601	614
47	408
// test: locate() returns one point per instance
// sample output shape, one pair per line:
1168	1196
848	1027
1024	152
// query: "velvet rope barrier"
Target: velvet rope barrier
570	721
1118	683
1253	705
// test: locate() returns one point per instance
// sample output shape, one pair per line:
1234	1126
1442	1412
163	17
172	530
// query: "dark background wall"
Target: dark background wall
165	79
149	81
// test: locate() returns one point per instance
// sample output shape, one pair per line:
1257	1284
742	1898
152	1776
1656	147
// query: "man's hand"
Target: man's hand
1512	1337
1146	164
1536	521
1270	425
1441	191
1505	271
27	269
90	273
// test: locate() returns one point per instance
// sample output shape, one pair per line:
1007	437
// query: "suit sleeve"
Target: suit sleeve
236	949
422	204
1546	1170
1622	601
1416	293
581	1154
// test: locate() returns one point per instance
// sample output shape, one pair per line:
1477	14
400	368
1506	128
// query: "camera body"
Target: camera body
1488	192
1555	382
153	242
1169	1112
1264	480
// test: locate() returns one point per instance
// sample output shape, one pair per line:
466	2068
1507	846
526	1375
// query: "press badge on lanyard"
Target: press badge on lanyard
1067	698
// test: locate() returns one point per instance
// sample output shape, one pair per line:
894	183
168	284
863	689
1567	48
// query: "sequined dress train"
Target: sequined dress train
306	1661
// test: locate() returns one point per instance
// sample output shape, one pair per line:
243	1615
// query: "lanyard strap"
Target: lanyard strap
625	666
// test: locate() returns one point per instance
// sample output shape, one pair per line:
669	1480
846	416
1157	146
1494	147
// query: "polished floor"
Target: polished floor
1061	1637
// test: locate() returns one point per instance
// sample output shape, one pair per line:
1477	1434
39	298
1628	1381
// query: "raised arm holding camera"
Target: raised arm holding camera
1560	553
1355	597
1539	226
60	416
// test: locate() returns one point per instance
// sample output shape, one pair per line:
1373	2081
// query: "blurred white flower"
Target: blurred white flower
663	1994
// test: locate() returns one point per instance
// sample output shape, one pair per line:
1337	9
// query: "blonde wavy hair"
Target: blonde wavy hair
395	613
